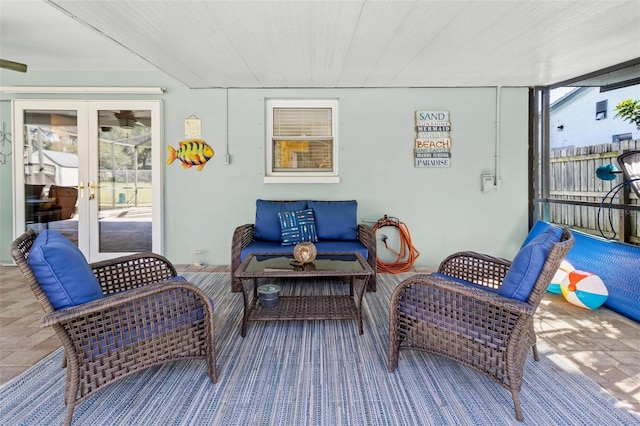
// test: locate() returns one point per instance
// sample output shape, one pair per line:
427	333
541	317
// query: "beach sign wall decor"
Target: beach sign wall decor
433	139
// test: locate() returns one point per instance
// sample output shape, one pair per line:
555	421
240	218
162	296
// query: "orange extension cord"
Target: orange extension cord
407	254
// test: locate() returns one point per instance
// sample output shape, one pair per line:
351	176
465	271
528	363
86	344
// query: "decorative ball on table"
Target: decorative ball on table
304	252
584	289
561	273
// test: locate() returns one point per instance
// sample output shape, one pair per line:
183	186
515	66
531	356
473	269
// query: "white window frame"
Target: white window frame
272	176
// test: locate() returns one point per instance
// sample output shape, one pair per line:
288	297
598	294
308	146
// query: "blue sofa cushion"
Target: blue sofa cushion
321	246
267	225
527	265
62	271
336	220
256	246
297	226
342	246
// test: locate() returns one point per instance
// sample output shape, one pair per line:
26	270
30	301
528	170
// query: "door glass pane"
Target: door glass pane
51	171
124	181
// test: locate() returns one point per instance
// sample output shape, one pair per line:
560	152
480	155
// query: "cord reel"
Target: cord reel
406	255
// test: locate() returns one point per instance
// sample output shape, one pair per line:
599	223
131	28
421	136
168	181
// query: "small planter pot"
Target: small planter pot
268	295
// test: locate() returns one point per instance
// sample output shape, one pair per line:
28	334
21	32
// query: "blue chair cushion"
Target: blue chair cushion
297	226
461	281
538	228
480	332
527	265
62	271
146	326
336	220
267	225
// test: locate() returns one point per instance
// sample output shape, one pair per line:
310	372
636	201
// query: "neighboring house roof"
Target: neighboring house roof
61	159
569	97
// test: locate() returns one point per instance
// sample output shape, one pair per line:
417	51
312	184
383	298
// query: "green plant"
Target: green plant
629	110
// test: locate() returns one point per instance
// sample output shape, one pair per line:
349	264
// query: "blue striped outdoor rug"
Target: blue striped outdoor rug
311	373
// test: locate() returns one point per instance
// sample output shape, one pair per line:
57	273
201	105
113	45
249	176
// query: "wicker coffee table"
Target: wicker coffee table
308	307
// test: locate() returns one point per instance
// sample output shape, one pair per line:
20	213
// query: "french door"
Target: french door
92	171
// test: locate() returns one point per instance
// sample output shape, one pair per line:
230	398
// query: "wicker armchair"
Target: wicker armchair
143	320
472	324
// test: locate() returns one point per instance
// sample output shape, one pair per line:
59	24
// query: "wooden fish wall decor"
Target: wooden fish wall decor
191	152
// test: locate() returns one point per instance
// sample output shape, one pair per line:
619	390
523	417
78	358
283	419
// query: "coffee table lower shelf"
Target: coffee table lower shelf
292	308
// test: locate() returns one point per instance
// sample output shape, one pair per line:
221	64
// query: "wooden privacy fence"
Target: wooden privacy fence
577	195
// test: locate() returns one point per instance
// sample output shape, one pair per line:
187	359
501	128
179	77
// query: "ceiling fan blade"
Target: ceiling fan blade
144	122
14	66
128	118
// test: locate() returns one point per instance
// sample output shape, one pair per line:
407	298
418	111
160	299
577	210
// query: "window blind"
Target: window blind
301	122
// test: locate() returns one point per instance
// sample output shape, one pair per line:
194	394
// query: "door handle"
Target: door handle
81	188
92	190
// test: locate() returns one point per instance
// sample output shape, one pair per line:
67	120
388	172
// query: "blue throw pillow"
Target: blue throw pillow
336	220
267	225
527	265
297	226
62	271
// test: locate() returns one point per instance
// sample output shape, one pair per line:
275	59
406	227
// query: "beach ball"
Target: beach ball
561	273
584	289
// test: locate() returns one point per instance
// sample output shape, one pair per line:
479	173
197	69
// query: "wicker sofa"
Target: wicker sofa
336	230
